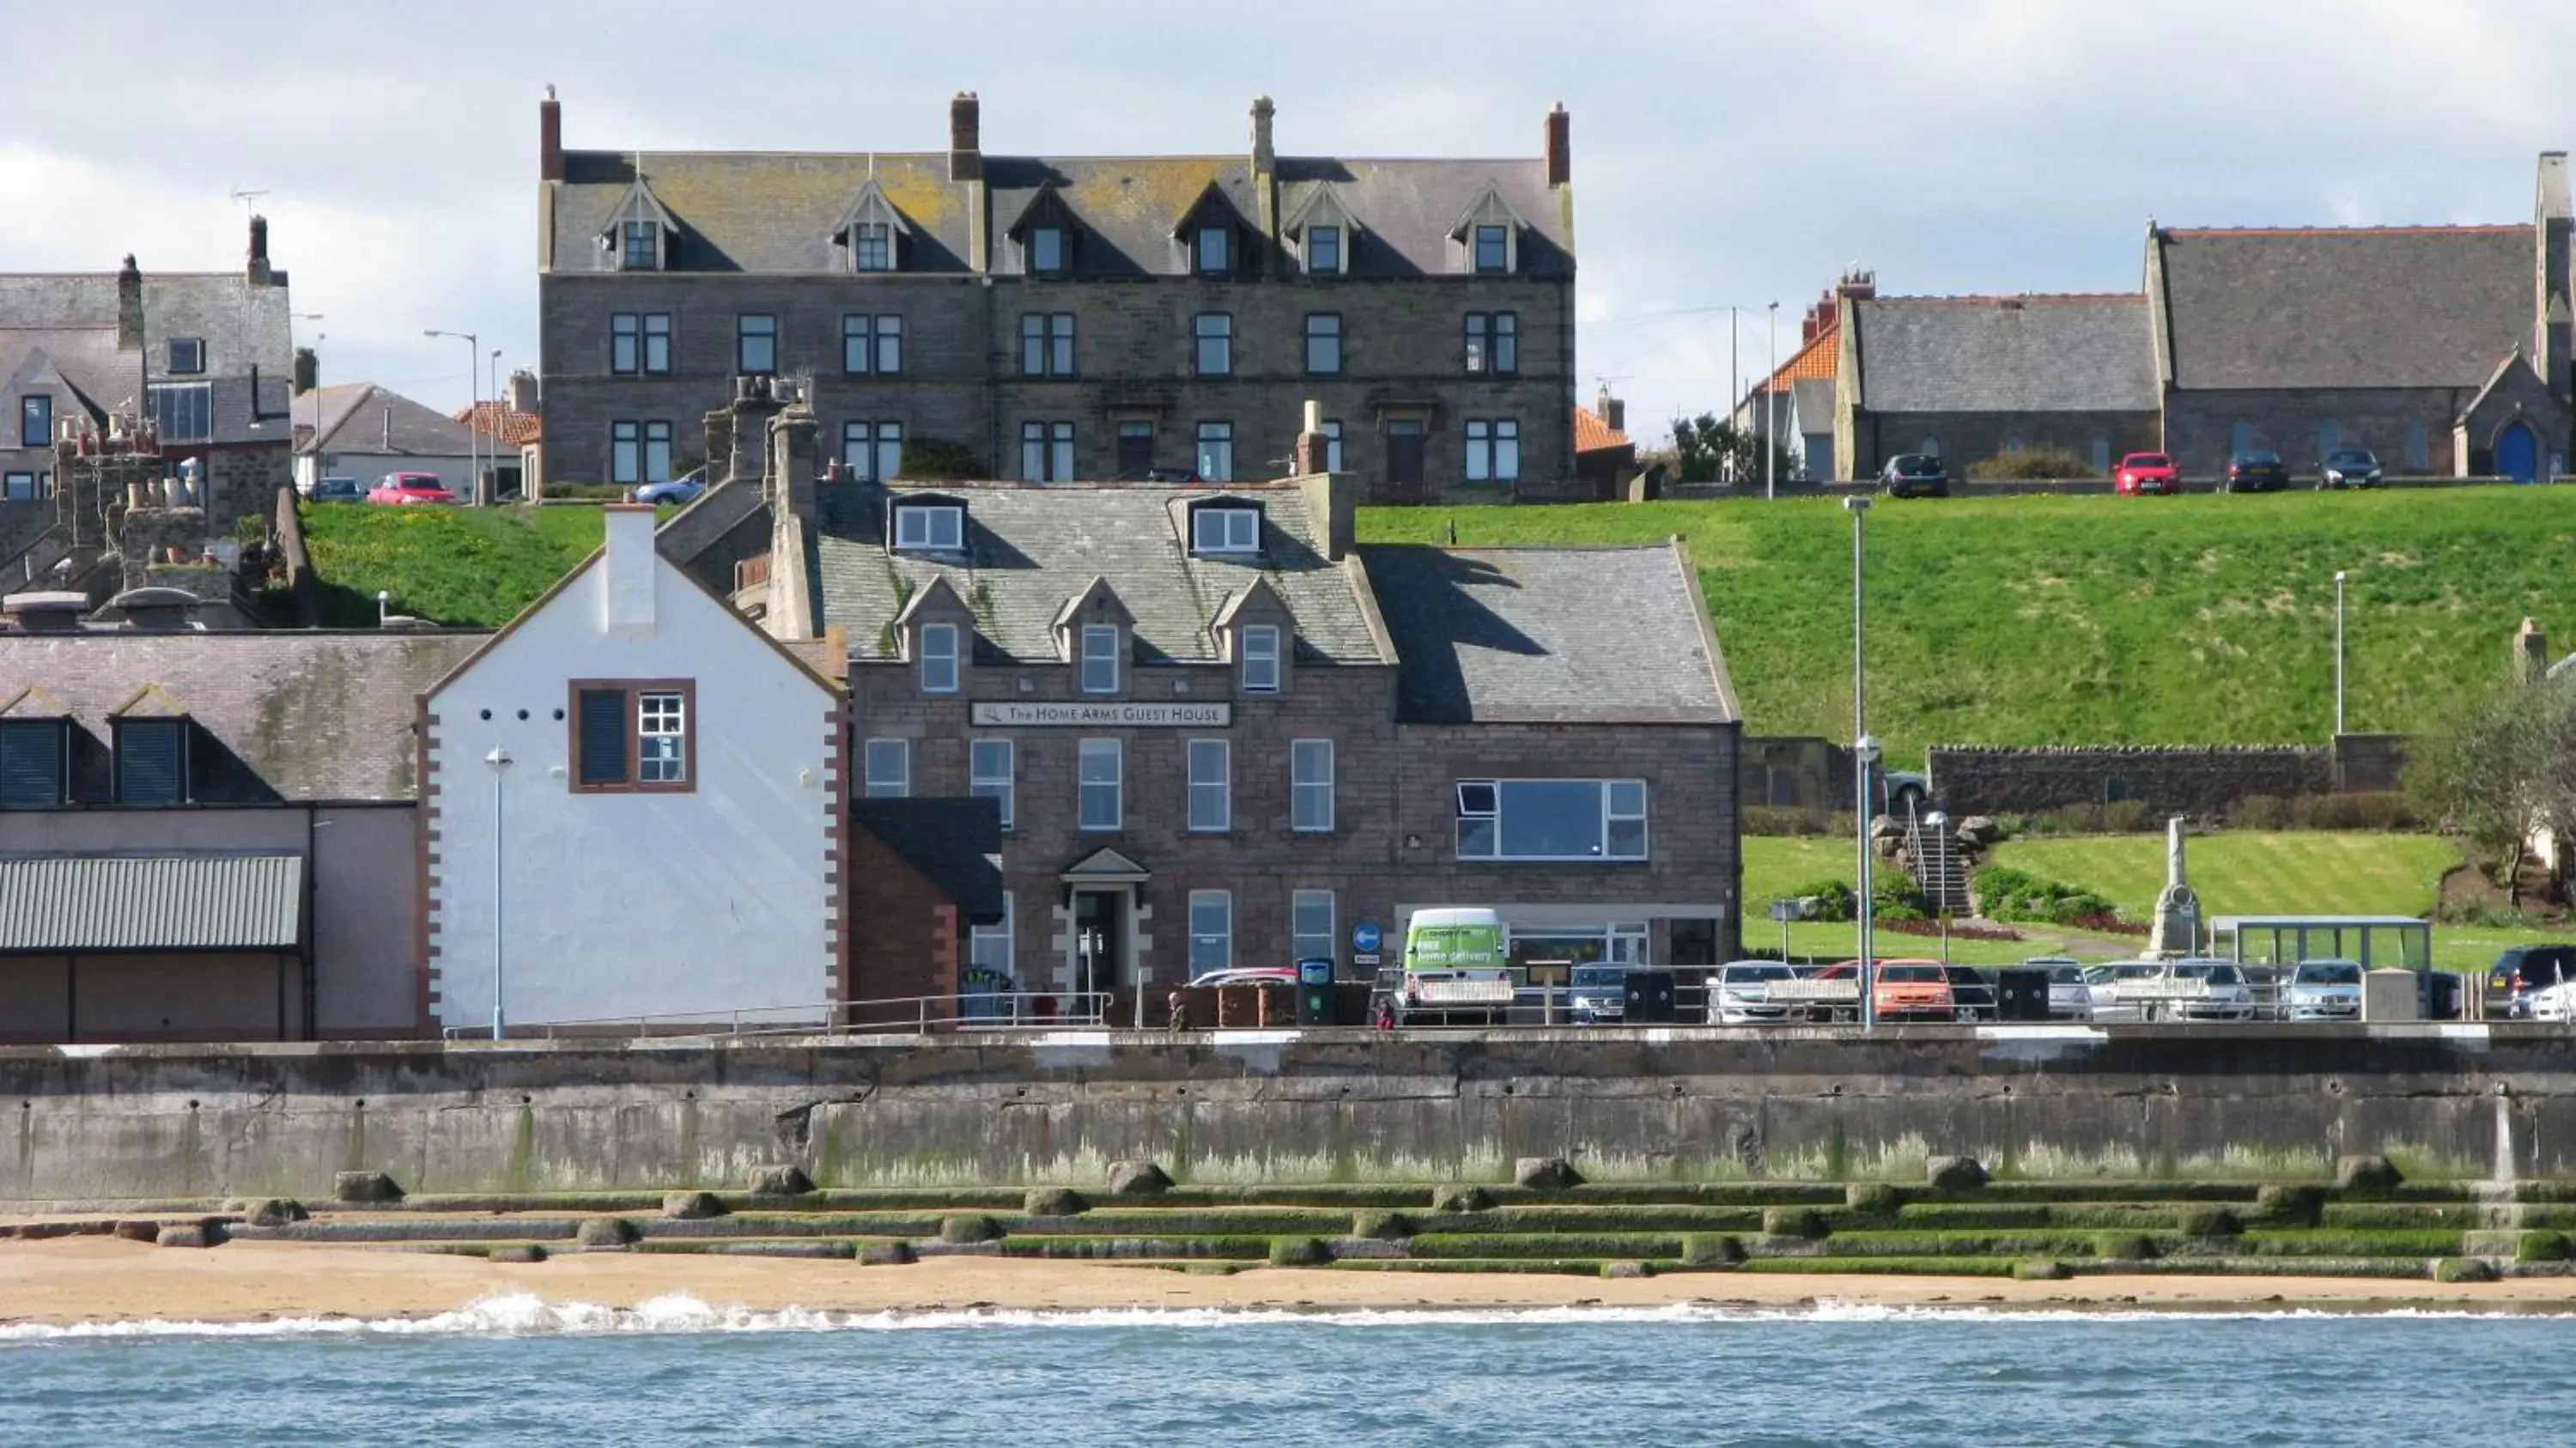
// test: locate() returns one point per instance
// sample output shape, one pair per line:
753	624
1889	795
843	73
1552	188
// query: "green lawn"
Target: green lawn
468	567
2252	872
2096	620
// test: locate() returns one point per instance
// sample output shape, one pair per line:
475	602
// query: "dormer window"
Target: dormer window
929	528
152	762
872	246
641	248
1216	529
1099	658
1324	251
1047	250
35	763
1493	249
1260	649
1214	250
187	356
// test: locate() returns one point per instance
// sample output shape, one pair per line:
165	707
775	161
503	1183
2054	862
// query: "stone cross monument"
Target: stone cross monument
2176	928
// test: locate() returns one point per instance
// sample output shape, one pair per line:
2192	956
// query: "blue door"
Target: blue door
2518	453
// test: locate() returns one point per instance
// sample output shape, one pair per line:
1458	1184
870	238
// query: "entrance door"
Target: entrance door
1098	923
1404	453
1135	451
2517	453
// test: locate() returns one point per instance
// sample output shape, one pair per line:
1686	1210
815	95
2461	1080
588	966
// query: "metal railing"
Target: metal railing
919	1015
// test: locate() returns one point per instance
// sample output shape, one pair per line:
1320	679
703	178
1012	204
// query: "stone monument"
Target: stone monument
2176	928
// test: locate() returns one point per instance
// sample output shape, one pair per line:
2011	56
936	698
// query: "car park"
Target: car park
337	490
2145	472
2271	986
2324	990
2256	471
1972	993
2349	467
410	488
1740	995
2522	972
1915	475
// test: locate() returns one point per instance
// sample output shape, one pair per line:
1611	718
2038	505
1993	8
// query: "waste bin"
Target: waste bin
2021	994
2437	995
1649	998
1315	993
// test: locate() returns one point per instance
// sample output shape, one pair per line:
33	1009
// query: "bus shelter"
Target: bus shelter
2379	942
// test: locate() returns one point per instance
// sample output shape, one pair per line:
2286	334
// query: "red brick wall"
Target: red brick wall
904	935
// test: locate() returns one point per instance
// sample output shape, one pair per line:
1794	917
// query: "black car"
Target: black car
2520	971
2350	467
1914	475
2256	472
1972	993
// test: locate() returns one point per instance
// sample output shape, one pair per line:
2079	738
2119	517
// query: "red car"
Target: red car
2146	473
410	488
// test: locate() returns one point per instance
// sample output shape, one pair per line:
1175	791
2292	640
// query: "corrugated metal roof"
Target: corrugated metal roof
57	903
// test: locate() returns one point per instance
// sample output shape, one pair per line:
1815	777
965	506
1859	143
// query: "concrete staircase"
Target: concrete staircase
1932	853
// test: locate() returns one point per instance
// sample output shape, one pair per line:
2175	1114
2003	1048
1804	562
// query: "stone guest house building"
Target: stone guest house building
1059	318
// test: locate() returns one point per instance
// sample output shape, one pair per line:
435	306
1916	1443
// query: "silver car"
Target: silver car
1741	994
2325	990
2069	998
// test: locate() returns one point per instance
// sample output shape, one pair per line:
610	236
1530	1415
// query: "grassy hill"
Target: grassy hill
468	567
2099	620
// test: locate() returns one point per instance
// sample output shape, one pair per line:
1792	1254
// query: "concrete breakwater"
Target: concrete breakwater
96	1123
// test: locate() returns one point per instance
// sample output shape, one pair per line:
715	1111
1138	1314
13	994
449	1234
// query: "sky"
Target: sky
1725	154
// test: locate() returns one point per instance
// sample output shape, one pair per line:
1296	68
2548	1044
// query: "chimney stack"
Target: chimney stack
523	391
627	593
1265	178
1560	145
308	371
259	273
129	306
1314	455
549	138
965	137
1614	412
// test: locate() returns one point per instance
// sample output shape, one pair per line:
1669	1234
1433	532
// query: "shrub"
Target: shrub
1873	1199
2209	1222
2376	811
2540	1247
2124	1247
1834	899
586	492
1299	1252
1894	896
2128	817
2004	893
1468	1198
2036	463
2462	1269
2259	812
2041	1271
1802	1222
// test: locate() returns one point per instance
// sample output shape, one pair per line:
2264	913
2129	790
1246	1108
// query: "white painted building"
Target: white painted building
665	839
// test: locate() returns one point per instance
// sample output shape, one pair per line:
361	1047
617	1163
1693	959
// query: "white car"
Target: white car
2069	998
2204	990
1741	994
2324	990
2117	992
2555	1003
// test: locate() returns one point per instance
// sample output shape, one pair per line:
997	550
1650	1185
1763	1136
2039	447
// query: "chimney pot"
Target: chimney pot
550	165
628	591
965	137
1560	145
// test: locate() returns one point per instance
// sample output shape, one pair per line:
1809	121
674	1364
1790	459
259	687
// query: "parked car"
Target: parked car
2143	472
2271	987
338	490
2117	990
2325	990
1914	990
2554	1003
2522	972
410	488
1742	994
2069	999
2204	990
2349	467
1972	993
1597	995
2258	471
682	489
1915	475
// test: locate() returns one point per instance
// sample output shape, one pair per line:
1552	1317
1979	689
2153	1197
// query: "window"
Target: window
1310	923
1211	931
1323	250
1135	449
26	487
755	342
1494	343
1323	344
152	761
939	662
34	763
1099	658
1552	819
1225	530
625	343
661	738
2329	437
1046	344
1101	765
632	736
889	767
1310	786
187	355
990	774
1493	450
2419	450
871	344
1215	248
657	344
1214	332
1216	451
988	960
1046	249
184	411
36	420
643	246
639	452
1211	786
1333	445
1261	658
872	246
872	451
932	529
1493	249
1046	452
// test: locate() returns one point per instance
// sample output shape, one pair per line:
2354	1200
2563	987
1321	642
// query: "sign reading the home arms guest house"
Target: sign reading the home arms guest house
1032	714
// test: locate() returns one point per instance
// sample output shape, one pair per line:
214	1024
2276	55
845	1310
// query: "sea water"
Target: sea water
515	1370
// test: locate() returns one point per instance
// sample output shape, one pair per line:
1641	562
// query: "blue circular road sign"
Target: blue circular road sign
1364	937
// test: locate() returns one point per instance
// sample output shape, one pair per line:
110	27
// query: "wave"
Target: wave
525	1314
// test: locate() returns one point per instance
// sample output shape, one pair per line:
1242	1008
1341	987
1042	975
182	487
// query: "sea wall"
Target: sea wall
1688	1103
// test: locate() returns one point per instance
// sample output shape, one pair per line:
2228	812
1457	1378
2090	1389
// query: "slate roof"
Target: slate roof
2428	306
1549	635
181	900
352	418
241	325
85	358
292	715
1032	546
949	842
2006	354
771	211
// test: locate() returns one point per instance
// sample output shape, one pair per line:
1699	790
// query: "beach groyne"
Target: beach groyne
2154	1102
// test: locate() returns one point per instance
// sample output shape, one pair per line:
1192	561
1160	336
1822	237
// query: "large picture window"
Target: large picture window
184	411
1552	819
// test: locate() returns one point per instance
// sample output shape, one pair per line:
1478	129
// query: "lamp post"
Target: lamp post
1864	761
2338	651
1940	824
384	603
492	445
474	396
499	759
1771	409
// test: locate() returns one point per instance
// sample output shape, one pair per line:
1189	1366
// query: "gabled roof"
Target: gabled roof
1550	635
361	417
1254	596
2060	353
1096	594
2304	307
1032	546
1489	206
1212	208
2504	371
934	595
638	204
1322	205
761	211
73	317
149	702
1815	359
1591	434
82	361
871	204
499	419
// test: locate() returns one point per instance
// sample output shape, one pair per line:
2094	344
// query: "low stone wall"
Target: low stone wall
1284	1106
2182	779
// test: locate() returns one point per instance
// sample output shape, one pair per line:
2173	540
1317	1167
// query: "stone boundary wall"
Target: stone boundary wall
2177	779
94	1123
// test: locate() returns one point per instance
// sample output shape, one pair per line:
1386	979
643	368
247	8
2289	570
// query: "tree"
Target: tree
2505	769
1712	451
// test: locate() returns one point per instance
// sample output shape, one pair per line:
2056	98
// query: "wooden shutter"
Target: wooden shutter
603	731
152	762
31	764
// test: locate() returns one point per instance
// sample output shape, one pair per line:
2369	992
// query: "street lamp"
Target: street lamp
1940	825
384	602
499	759
2338	651
1771	410
474	391
1864	757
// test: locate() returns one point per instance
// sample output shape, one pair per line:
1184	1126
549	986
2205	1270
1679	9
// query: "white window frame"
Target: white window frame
661	737
1311	802
1211	949
1482	800
1216	466
1301	940
1235	530
942	668
1211	785
1260	650
1099	661
929	527
1325	267
985	942
888	766
984	782
1111	786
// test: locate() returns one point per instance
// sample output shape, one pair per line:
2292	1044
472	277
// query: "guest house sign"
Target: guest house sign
1035	714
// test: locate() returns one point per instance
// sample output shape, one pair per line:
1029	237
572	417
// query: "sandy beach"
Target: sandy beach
93	1279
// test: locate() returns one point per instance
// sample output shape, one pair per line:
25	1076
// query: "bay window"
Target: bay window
1552	819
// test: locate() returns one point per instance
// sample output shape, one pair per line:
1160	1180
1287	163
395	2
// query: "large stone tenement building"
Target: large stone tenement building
1059	318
